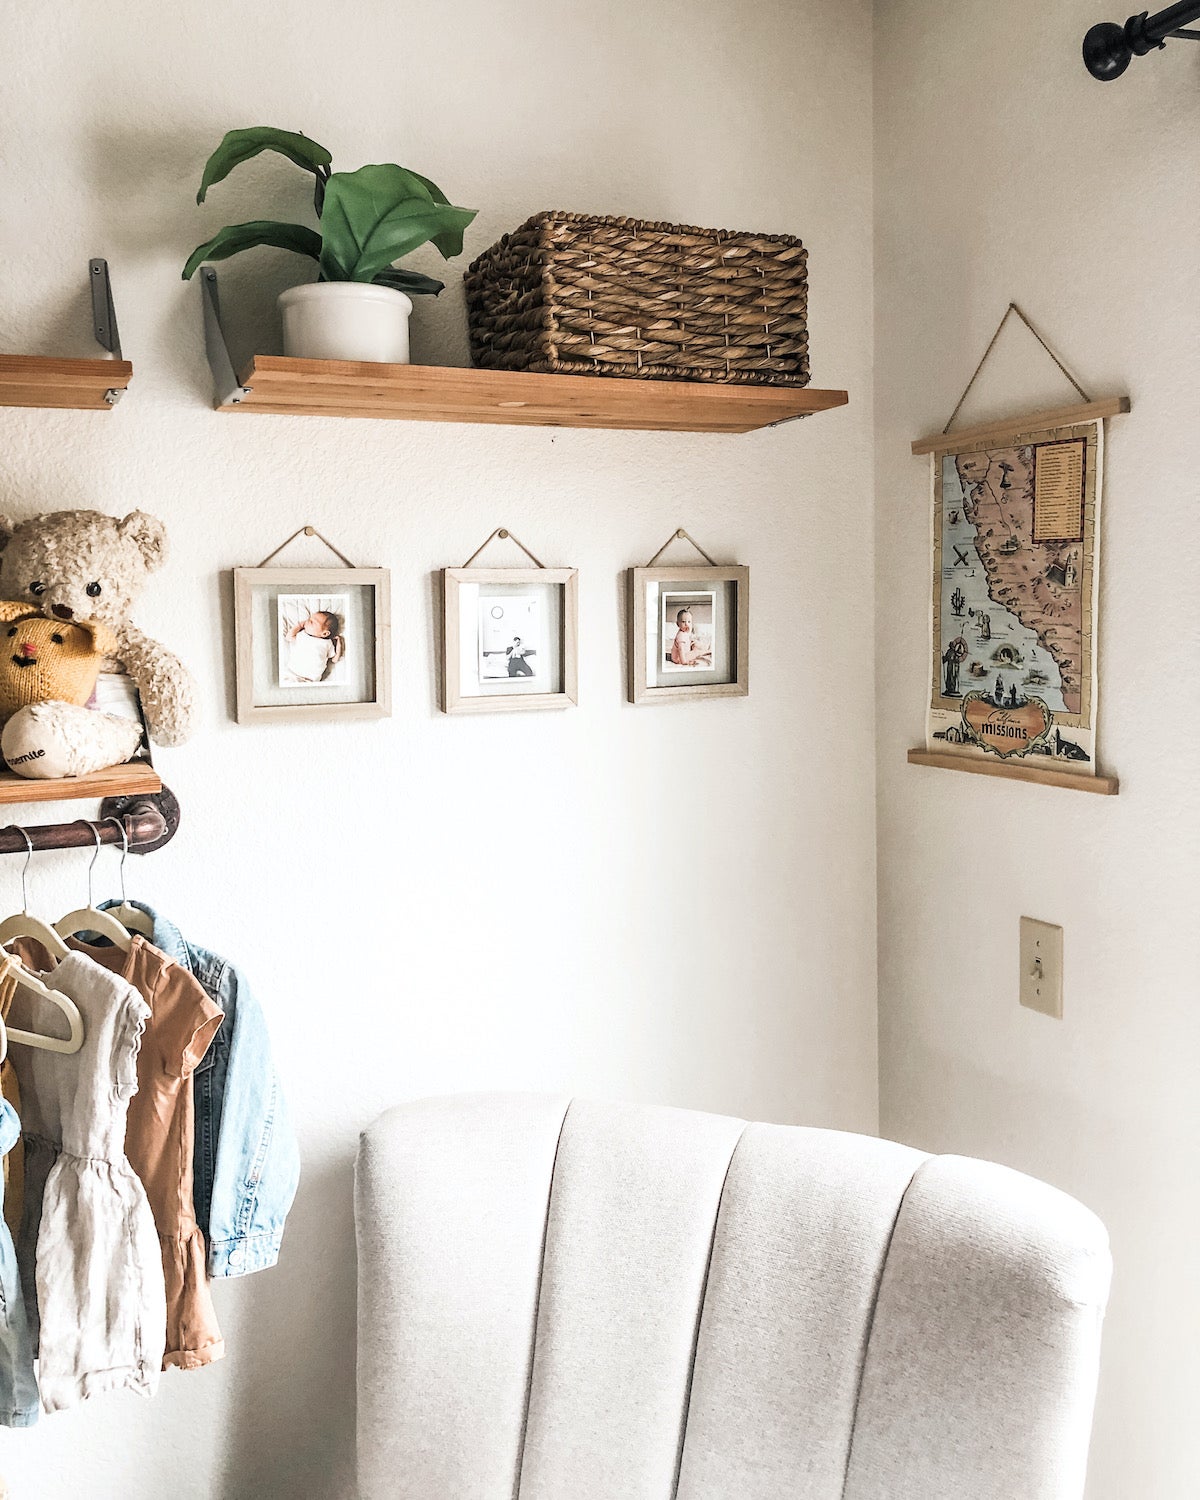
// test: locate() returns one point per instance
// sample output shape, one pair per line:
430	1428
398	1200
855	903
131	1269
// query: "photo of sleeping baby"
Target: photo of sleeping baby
312	643
688	635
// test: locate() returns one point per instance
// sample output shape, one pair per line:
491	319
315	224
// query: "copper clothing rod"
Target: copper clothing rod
149	822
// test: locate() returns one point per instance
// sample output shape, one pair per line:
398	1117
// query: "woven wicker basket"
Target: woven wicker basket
575	294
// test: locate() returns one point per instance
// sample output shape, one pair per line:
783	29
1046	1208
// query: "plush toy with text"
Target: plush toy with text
87	568
48	670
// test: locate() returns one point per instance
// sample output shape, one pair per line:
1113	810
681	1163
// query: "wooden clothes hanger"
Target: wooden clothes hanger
24	925
131	917
88	918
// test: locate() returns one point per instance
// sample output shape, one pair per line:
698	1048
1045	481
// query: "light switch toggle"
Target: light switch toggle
1041	967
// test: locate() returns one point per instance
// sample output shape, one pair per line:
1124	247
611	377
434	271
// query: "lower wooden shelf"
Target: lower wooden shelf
1103	786
435	393
67	384
130	780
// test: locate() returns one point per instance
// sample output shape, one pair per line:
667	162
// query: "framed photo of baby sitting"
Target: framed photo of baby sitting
689	633
312	643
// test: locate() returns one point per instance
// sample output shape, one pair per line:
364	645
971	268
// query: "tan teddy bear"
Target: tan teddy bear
81	565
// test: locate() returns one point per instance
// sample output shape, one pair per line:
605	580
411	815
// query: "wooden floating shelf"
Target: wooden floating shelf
434	393
1103	786
66	384
137	778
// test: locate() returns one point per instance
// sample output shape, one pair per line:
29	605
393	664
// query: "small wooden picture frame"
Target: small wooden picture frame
312	643
511	639
689	633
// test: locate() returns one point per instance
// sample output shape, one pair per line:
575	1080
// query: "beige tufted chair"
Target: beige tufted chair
584	1301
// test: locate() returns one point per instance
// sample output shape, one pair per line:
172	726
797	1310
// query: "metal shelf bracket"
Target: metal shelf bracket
104	317
229	389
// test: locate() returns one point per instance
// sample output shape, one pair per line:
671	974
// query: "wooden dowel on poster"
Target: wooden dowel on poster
1103	786
1061	416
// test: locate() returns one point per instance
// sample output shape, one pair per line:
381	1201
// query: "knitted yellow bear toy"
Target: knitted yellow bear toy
43	659
48	669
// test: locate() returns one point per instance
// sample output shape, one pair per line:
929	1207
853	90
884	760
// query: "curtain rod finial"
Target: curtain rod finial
1108	49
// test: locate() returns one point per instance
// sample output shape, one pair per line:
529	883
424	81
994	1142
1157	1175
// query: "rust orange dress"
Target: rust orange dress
160	1135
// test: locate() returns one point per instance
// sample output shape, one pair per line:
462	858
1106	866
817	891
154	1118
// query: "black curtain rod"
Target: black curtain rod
1108	48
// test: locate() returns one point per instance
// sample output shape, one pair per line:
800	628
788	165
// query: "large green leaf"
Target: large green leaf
412	282
374	216
451	241
431	188
240	145
235	237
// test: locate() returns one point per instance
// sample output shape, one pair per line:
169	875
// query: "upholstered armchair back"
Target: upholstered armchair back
585	1301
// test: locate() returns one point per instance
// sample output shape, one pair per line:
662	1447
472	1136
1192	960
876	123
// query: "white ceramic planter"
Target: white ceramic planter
345	320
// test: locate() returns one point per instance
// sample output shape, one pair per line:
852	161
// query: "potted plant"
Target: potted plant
358	308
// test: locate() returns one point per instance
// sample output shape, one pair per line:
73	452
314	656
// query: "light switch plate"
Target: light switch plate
1041	966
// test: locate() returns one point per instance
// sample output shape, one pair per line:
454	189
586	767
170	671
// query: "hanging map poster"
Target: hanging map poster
1016	551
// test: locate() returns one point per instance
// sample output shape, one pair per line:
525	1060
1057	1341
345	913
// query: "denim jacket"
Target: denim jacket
247	1164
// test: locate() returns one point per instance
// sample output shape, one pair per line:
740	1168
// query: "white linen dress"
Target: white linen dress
88	1245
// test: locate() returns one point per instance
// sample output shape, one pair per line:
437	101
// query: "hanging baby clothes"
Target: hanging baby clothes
10	1089
87	1237
160	1138
18	1388
247	1164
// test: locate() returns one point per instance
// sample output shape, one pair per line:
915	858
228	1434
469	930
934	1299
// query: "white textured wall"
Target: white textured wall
1003	171
345	867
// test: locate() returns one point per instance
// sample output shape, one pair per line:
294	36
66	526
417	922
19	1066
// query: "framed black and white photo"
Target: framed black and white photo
510	639
312	643
689	633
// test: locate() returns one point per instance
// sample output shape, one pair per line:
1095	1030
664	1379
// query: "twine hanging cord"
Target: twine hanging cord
504	535
1012	308
682	536
303	531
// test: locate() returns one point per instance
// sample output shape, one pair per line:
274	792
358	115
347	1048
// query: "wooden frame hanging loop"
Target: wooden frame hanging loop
680	535
503	534
309	530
